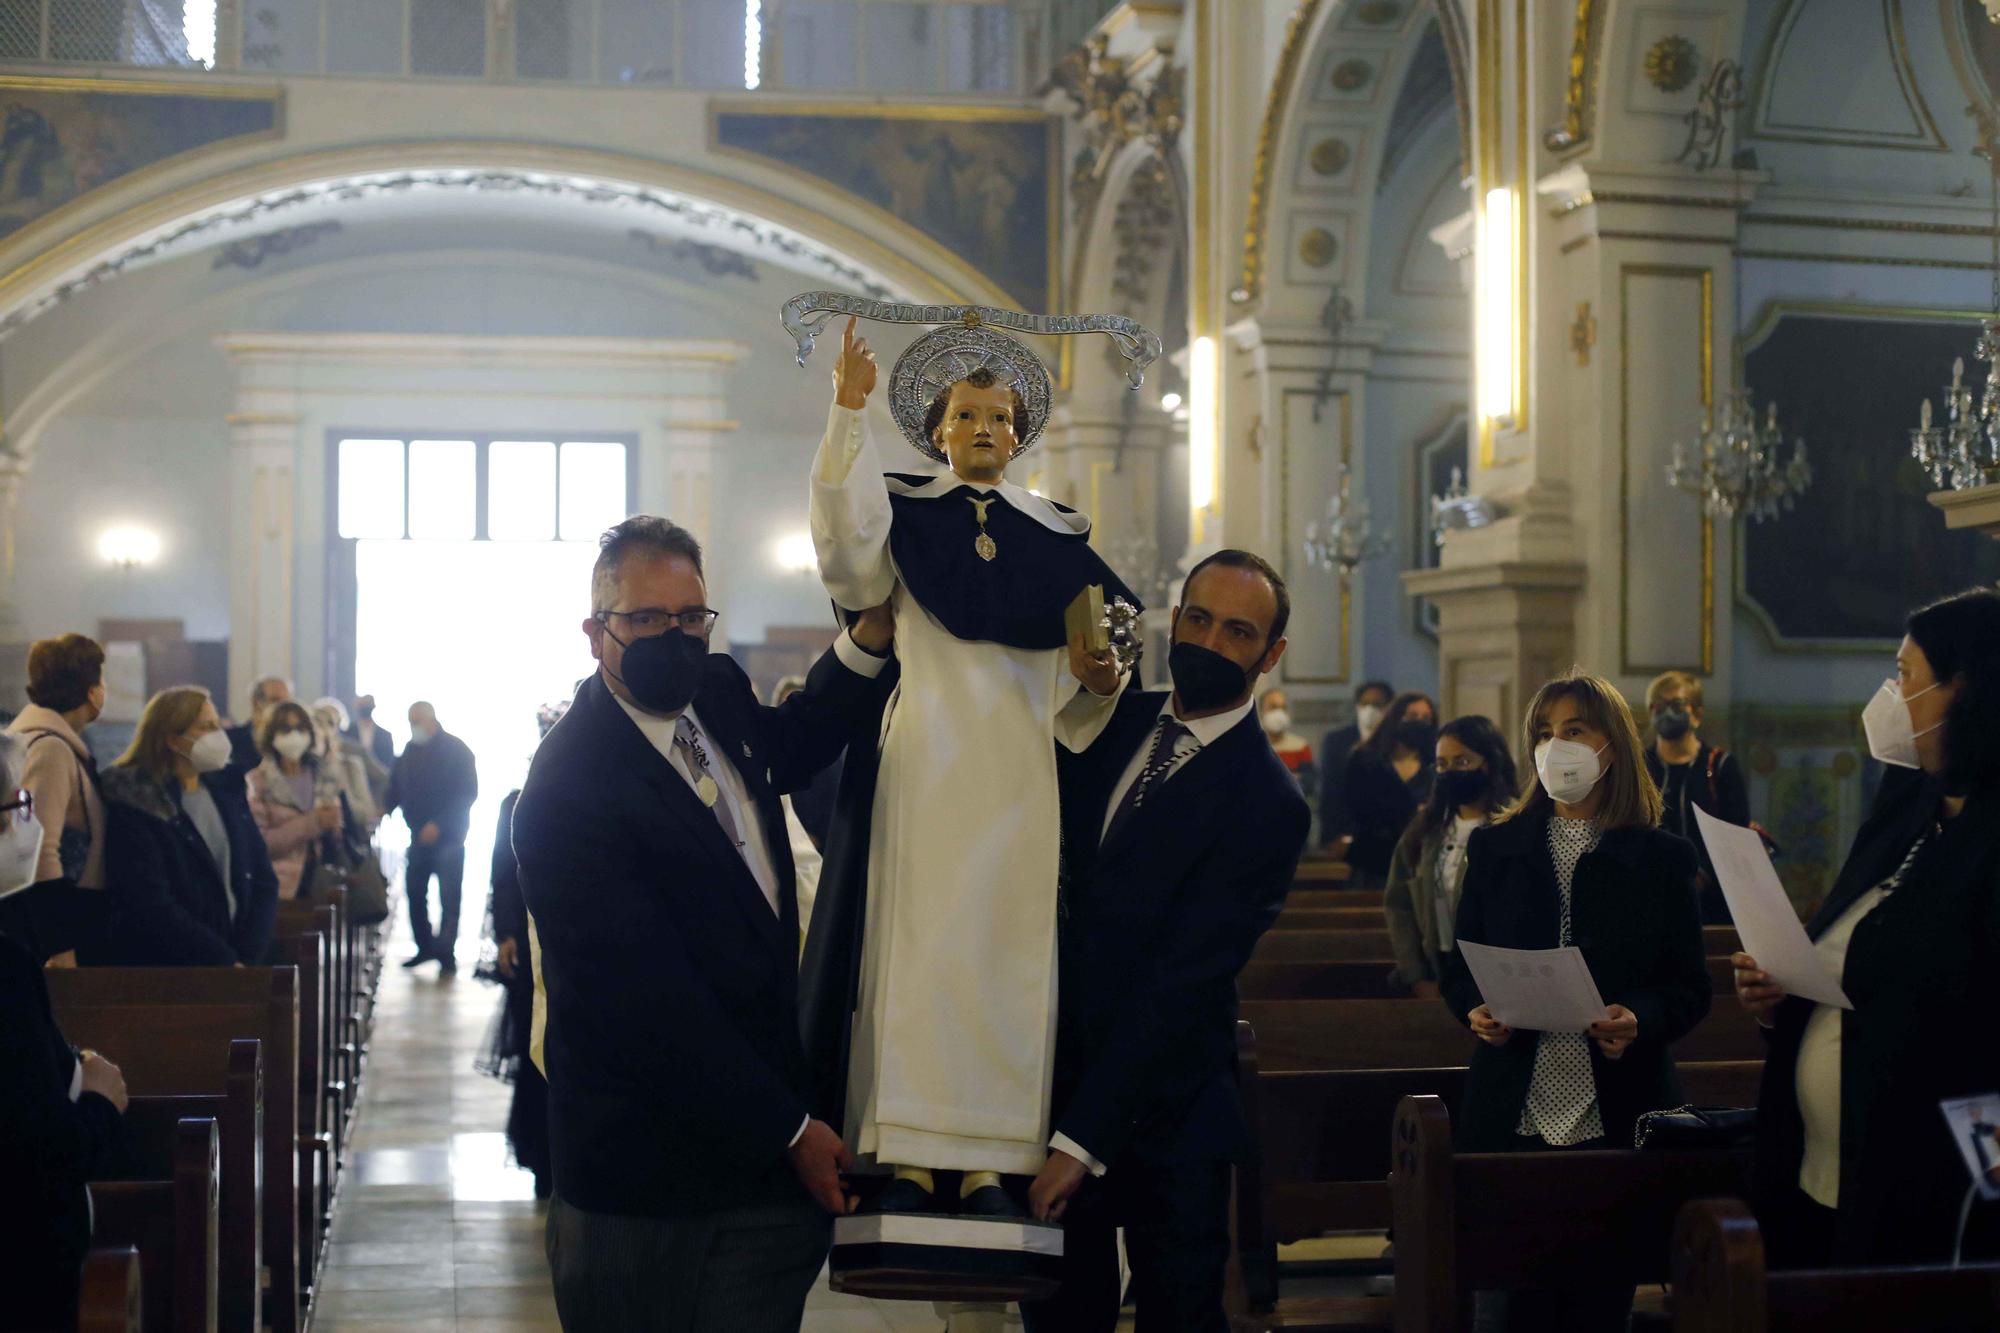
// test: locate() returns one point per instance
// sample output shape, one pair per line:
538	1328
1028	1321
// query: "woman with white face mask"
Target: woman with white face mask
1855	1163
294	793
1579	860
190	878
61	1107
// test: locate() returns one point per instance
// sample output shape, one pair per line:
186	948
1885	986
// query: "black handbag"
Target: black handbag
1696	1127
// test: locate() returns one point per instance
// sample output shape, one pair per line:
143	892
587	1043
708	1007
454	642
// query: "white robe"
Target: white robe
954	1029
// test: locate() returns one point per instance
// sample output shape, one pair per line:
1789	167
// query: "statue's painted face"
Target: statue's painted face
978	431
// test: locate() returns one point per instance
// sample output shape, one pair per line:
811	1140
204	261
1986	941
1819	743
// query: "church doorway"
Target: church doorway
468	569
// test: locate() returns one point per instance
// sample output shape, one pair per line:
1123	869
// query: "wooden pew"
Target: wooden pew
1315	897
168	1029
172	1222
317	1163
1411	1033
1319	1160
151	1121
1365	940
1358	917
1320	871
1721	1286
1471	1221
1369	980
109	1295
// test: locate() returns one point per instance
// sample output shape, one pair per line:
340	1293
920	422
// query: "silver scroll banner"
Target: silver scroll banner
1136	343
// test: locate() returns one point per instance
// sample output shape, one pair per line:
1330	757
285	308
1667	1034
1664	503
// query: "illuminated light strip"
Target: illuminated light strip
1201	424
753	43
1495	257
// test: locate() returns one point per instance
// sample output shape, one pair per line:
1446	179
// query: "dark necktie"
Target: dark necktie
1158	761
693	753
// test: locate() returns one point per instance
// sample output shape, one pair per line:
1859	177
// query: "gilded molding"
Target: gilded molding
1580	91
1706	347
1870	224
1250	284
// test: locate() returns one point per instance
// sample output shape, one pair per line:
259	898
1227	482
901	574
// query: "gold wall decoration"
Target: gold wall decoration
1671	63
1318	247
1115	107
1250	283
1352	75
1583	333
1331	156
1580	89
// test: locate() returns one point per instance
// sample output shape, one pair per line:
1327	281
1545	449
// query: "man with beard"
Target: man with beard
1182	830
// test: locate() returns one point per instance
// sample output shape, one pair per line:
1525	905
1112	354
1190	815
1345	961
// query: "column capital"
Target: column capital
1976	509
1660	201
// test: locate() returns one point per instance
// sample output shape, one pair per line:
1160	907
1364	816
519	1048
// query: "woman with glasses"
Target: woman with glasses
190	877
1475	779
1855	1163
60	1107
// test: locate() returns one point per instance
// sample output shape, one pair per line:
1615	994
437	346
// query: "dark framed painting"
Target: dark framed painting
1436	458
1863	545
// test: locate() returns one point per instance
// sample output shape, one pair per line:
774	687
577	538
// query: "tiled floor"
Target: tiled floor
435	1229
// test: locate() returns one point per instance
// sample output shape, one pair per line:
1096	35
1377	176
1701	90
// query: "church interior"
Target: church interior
1520	337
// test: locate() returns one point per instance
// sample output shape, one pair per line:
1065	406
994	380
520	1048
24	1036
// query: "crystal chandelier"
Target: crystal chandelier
1457	509
1344	538
1738	468
1964	450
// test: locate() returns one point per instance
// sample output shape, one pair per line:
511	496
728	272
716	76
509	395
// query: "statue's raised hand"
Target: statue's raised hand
854	373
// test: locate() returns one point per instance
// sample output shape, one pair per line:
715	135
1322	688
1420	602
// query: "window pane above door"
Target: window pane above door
593	489
521	490
444	490
371	488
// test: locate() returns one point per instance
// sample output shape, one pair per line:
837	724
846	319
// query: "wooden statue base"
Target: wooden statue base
945	1257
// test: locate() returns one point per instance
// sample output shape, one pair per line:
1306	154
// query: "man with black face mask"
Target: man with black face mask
1182	830
692	1190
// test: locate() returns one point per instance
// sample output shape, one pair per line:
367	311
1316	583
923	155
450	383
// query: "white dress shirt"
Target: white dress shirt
1201	732
755	847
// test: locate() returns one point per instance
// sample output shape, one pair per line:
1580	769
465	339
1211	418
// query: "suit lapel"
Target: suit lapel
680	802
732	744
1182	793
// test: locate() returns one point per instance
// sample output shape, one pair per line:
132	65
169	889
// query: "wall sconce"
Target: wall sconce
1497	262
129	548
1202	458
796	554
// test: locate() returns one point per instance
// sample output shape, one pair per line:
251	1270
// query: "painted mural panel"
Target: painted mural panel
1864	546
979	187
60	139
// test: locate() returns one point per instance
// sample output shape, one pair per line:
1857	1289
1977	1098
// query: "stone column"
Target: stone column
261	569
13	480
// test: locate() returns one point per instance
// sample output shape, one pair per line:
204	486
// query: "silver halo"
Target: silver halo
943	357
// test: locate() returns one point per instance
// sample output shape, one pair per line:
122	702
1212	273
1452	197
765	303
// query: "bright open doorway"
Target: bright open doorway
471	562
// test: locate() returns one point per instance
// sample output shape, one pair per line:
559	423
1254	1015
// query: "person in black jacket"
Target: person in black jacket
190	878
693	1190
1182	832
434	784
1389	777
59	1107
1580	860
1691	775
1371	698
1855	1163
509	1056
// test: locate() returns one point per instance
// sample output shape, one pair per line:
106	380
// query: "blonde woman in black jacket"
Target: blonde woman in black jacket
1579	860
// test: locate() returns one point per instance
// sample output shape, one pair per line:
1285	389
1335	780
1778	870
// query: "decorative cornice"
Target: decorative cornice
1114	109
252	251
1250	285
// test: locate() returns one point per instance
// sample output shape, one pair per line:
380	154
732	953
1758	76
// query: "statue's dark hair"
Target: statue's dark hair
982	378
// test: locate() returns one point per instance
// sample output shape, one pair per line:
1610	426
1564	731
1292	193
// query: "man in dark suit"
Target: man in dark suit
363	728
692	1190
1183	831
1371	698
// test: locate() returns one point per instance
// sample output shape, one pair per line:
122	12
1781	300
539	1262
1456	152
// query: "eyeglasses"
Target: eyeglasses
22	806
696	620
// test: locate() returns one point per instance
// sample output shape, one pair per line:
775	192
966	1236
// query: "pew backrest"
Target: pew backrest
110	1293
173	1223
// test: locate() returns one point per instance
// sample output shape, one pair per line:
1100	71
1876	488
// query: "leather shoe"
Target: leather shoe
447	965
422	956
903	1196
990	1201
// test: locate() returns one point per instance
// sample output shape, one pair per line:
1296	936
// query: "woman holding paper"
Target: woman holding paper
1579	861
1855	1162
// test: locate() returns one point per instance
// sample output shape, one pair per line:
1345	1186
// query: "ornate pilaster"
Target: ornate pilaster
13	479
263	447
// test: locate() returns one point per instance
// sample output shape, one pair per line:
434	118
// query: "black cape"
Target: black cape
1017	600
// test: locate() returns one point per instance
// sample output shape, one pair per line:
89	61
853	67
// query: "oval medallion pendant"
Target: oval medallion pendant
705	788
986	546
